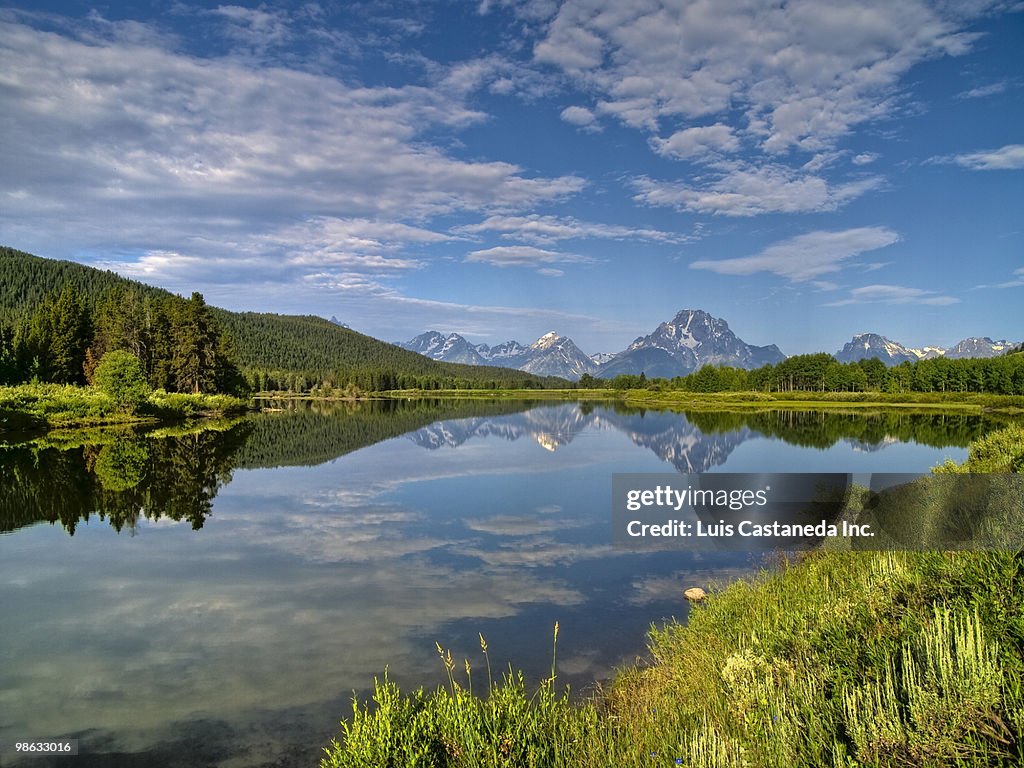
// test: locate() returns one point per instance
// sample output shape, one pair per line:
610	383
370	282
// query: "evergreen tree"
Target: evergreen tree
57	337
9	373
159	357
119	323
194	339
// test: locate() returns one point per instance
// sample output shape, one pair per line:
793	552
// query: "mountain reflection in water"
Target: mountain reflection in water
123	476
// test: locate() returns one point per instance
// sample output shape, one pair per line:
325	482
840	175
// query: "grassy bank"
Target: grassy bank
841	658
948	401
682	400
29	407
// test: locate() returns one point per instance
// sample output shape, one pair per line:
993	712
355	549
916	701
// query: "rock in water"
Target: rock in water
695	594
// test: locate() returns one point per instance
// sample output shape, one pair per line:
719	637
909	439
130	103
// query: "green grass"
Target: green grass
723	401
948	401
839	658
48	406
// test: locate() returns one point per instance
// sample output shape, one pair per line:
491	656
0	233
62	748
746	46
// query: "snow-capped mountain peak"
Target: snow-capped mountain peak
927	353
864	346
550	355
979	346
689	340
505	350
546	341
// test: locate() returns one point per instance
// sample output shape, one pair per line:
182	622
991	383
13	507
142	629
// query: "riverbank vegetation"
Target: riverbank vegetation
822	373
838	658
677	399
32	407
661	397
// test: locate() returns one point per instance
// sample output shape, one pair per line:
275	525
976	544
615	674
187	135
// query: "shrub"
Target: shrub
121	377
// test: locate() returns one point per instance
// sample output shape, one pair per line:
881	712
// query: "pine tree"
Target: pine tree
194	338
9	373
56	339
119	323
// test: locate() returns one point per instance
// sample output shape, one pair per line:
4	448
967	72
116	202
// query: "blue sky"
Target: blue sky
806	170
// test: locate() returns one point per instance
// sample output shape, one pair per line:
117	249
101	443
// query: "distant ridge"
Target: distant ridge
865	346
550	355
690	340
302	346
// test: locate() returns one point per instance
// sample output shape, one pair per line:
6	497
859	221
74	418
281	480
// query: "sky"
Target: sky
806	170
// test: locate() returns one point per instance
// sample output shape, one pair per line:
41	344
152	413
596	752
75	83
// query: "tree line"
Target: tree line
821	372
288	353
184	345
178	342
273	352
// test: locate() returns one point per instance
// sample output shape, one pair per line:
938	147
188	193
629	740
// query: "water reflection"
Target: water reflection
121	479
335	542
126	476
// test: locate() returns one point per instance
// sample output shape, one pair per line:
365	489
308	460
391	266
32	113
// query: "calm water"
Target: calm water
215	598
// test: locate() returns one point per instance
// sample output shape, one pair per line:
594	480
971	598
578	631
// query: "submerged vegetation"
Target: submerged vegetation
839	658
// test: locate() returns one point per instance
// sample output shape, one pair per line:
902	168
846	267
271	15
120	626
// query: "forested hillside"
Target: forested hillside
283	352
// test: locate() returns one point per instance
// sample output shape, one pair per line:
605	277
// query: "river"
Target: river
214	598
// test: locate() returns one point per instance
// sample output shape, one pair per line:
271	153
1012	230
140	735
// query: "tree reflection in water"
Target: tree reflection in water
125	476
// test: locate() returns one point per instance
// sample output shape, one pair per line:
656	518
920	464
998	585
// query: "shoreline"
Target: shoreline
36	409
961	402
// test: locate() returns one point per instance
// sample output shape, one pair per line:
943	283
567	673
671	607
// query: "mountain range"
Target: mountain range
865	346
550	353
691	339
675	348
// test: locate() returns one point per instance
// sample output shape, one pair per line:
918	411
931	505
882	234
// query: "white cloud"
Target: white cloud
362	250
255	27
746	190
983	90
138	148
538	228
697	141
1008	158
498	74
575	50
354	243
522	256
865	158
804	72
1018	280
527	10
579	116
894	294
806	256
